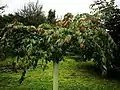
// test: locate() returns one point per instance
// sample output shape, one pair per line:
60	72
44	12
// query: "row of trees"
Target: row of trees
31	14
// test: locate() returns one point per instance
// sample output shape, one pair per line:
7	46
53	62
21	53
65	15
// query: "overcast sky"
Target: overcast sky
61	6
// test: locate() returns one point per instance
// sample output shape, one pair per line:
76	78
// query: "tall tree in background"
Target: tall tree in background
32	14
109	14
1	18
51	17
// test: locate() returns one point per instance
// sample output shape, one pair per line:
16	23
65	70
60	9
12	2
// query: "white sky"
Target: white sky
61	6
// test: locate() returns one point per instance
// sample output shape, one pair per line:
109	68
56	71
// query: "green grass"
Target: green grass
72	76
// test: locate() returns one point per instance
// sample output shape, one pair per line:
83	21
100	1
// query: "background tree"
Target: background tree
51	17
1	18
109	15
32	14
6	19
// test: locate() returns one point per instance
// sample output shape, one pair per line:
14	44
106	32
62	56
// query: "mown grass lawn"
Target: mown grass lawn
72	76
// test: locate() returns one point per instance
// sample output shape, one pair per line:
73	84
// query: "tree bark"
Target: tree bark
55	76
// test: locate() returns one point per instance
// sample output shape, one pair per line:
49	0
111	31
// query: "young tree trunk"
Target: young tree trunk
55	76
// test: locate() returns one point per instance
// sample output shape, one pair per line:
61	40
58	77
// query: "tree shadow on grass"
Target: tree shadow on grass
91	68
8	81
8	67
76	57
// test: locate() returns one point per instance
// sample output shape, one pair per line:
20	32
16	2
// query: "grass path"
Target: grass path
72	76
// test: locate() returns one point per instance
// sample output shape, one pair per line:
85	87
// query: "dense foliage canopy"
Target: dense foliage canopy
31	44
